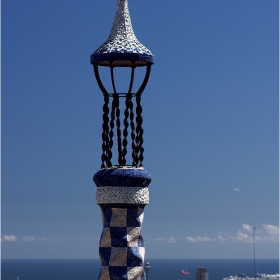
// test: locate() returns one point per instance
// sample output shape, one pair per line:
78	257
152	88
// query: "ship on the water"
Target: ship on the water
185	271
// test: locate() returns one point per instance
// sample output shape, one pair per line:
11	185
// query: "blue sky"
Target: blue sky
210	122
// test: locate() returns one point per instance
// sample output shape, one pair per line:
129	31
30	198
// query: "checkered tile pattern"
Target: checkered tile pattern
121	247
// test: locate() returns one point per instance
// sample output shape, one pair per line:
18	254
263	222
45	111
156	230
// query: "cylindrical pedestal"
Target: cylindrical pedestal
122	193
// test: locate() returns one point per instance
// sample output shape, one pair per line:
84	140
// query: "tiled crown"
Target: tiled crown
122	47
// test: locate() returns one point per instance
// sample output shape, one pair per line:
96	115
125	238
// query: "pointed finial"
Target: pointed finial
122	47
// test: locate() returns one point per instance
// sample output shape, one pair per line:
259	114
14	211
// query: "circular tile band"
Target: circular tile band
124	195
122	176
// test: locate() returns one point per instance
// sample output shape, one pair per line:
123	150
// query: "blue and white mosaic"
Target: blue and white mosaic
121	247
125	176
122	193
122	46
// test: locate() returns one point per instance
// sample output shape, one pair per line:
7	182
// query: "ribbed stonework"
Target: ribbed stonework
122	193
122	46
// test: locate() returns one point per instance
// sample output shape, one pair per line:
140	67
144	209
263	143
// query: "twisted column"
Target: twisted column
122	193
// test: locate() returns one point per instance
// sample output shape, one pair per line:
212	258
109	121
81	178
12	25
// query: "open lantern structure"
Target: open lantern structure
122	189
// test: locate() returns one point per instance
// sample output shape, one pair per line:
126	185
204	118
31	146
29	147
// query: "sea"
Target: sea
161	269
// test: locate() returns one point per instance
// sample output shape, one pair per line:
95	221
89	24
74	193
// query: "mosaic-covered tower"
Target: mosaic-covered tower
122	189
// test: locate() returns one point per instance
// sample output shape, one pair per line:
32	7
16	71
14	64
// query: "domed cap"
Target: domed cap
122	47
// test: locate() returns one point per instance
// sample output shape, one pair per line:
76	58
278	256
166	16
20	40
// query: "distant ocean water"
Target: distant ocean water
160	269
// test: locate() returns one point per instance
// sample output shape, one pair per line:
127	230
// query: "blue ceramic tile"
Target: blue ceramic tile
118	273
107	216
133	257
118	237
141	241
133	218
104	254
